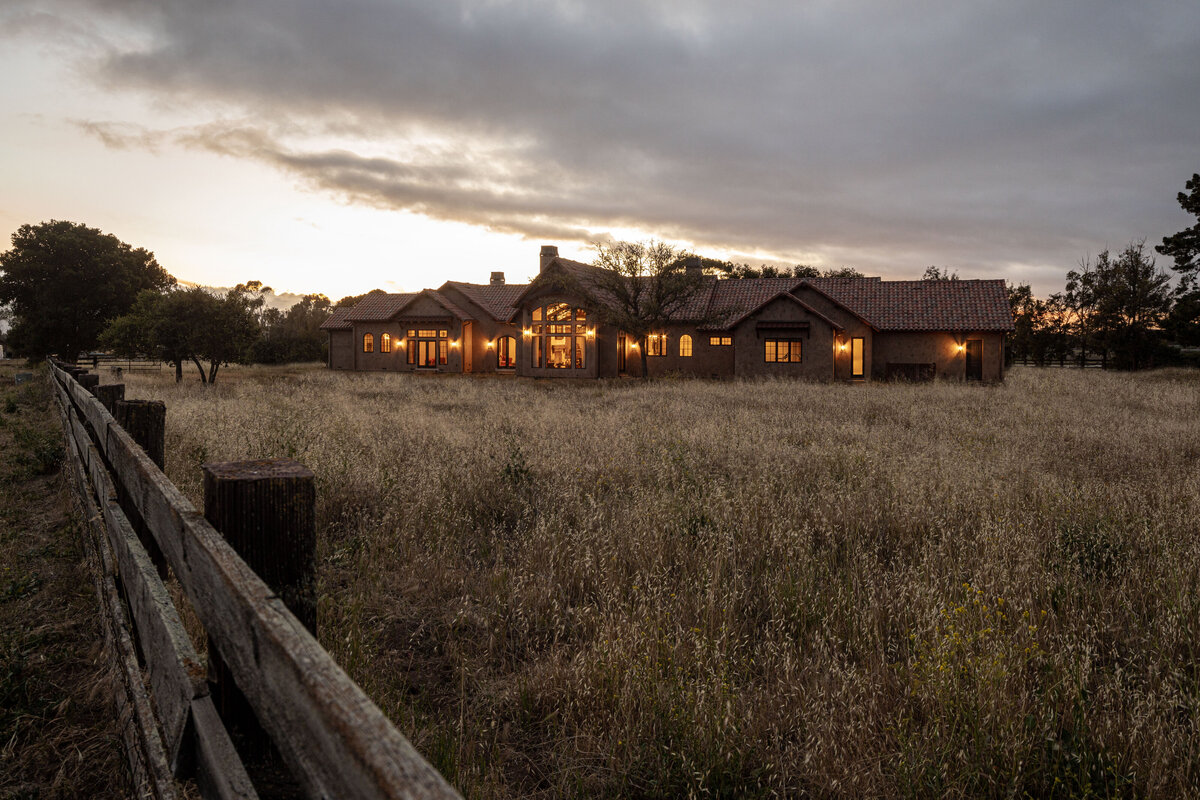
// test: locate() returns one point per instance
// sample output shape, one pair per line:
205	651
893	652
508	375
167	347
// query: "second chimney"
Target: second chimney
497	279
548	254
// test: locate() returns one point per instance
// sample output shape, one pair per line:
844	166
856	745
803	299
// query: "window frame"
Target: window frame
506	352
720	341
685	346
385	343
857	357
793	351
368	343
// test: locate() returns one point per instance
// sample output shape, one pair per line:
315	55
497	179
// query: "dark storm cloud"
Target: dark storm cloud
886	135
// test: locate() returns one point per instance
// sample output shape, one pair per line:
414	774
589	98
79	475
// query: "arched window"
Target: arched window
368	343
685	346
385	343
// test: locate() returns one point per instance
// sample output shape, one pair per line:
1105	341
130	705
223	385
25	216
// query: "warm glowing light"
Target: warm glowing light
591	332
527	332
961	347
842	347
490	344
454	344
633	346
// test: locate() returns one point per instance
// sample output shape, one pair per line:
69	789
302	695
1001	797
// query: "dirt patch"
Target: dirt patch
58	734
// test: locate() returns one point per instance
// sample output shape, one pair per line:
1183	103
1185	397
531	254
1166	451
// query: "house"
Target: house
850	329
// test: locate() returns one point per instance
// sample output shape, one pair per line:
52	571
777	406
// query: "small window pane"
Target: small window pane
442	334
412	334
579	351
442	351
368	343
537	313
770	350
385	343
685	346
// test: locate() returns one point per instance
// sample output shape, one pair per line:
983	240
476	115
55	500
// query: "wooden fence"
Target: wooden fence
333	740
116	364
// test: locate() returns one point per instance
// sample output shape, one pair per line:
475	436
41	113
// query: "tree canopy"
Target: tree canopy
1184	247
65	281
193	325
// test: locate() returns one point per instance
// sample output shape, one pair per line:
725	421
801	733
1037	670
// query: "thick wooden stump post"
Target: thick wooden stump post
89	381
109	394
145	421
266	510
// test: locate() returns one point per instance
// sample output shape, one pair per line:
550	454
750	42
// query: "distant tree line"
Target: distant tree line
1120	308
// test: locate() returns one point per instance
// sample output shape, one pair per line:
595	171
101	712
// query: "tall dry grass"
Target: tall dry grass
744	589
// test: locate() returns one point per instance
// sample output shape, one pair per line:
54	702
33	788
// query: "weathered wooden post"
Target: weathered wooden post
109	394
89	381
265	509
145	421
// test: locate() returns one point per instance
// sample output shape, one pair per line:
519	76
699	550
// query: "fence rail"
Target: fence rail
334	740
98	361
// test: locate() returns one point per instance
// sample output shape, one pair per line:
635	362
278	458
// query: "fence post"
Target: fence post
265	509
109	394
145	421
89	381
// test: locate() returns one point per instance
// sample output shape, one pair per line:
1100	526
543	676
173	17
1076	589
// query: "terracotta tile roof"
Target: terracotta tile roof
496	299
923	305
378	307
337	321
974	305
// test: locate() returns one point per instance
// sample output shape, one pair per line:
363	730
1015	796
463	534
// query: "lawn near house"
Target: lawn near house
674	588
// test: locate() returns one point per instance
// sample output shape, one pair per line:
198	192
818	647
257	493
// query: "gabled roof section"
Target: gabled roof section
786	295
437	297
924	305
378	307
337	321
498	300
733	299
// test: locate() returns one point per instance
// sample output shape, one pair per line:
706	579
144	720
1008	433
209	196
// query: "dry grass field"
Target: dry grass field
758	589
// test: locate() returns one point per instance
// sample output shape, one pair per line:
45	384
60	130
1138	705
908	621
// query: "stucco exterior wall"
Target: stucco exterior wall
397	360
816	343
341	349
939	348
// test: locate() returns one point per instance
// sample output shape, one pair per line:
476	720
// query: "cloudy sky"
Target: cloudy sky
340	146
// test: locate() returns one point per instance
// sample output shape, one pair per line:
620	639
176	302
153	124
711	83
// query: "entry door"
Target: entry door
467	338
974	359
621	354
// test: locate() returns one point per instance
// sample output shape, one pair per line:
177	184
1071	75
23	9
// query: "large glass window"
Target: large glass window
656	344
782	351
558	337
385	343
856	357
506	352
685	346
368	343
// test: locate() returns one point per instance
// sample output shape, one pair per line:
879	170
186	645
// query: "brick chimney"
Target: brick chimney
497	279
548	254
692	265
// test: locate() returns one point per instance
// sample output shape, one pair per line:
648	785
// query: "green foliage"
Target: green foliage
294	335
1184	247
190	325
65	281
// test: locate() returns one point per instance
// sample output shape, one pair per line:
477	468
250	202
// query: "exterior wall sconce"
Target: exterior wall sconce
633	346
454	344
489	344
591	333
842	347
960	347
527	332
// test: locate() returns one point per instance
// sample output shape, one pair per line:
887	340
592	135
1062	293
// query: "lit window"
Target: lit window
656	344
561	343
685	346
782	351
427	334
856	357
442	351
506	352
385	343
412	334
442	334
412	350
720	341
368	343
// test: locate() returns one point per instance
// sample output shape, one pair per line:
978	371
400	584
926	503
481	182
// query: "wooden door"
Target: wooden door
974	367
621	354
